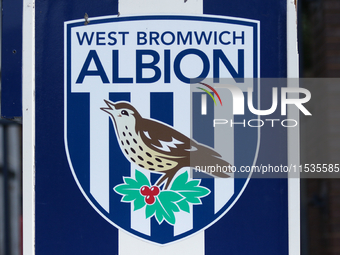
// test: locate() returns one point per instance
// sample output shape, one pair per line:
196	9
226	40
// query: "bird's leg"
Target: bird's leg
168	181
167	177
161	180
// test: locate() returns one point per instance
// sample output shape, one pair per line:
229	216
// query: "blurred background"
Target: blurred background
319	50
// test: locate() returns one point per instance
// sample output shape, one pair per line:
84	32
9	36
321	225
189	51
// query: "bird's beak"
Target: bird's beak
110	108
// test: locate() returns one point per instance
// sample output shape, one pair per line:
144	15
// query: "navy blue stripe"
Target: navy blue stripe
162	109
78	136
203	132
202	125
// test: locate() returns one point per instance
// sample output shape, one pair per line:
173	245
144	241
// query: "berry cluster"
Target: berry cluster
149	194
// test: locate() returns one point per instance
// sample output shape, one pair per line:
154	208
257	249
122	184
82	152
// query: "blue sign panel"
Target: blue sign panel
119	128
11	59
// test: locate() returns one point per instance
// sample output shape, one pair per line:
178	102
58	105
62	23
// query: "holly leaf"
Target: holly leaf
190	190
164	207
130	190
184	205
182	193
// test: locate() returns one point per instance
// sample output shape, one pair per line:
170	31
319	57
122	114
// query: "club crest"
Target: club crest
141	104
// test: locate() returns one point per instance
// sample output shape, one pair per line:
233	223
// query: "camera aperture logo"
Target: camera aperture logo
213	90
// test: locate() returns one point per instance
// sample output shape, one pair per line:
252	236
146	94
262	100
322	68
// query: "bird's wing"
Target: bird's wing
164	139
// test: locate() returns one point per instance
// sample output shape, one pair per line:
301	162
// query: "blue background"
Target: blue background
11	58
67	224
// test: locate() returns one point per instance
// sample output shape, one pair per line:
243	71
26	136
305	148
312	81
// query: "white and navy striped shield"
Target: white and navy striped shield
149	61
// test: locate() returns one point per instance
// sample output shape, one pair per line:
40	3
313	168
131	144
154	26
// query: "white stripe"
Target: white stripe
181	117
204	104
138	220
128	245
130	7
224	144
99	150
140	99
28	114
182	112
184	220
293	134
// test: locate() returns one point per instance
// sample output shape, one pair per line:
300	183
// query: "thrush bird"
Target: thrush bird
156	146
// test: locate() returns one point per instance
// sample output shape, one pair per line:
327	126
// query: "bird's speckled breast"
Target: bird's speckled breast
137	152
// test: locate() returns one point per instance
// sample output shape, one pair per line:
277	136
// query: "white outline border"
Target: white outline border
66	23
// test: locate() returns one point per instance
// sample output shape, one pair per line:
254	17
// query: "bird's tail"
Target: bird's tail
211	165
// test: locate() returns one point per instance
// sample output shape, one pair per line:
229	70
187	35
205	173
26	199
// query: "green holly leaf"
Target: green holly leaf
182	193
184	205
190	190
130	189
164	207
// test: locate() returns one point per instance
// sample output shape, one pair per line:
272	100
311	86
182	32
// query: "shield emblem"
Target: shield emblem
144	65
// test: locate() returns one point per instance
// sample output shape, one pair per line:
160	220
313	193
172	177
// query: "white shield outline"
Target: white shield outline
70	24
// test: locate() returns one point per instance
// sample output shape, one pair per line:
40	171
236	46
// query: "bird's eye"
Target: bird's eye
125	113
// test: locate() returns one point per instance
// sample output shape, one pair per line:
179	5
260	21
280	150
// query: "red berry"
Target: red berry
154	191
150	200
145	190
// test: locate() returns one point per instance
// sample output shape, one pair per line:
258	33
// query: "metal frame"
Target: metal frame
28	112
293	134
